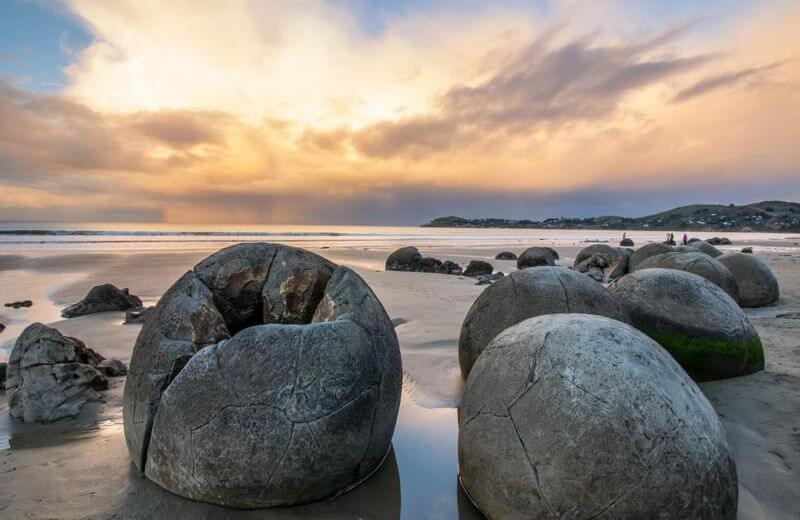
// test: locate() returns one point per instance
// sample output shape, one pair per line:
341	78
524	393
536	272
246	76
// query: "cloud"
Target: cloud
718	81
261	112
541	85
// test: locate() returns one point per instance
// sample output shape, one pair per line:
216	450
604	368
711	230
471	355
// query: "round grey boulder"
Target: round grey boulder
505	255
757	285
578	416
266	376
707	248
626	242
404	259
695	320
696	263
645	252
537	256
527	293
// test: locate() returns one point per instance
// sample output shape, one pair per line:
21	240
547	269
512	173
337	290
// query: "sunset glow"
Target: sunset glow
314	112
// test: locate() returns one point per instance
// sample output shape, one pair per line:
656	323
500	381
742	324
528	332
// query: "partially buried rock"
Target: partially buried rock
478	268
747	249
719	241
434	265
112	368
103	298
626	242
505	255
267	376
404	259
537	256
20	304
3	369
696	263
577	416
49	375
488	279
527	293
2	327
138	314
695	320
757	285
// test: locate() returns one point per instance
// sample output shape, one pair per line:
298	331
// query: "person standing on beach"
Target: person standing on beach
685	239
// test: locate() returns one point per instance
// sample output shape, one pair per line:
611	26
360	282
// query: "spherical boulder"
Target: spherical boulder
505	255
645	252
404	259
266	376
578	416
537	256
626	242
695	320
527	293
707	248
757	285
697	263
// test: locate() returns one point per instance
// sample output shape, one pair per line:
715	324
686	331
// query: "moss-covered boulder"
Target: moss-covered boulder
695	320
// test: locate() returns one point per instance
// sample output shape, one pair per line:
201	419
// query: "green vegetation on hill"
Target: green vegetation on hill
759	216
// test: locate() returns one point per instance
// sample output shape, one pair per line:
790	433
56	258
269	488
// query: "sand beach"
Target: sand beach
80	468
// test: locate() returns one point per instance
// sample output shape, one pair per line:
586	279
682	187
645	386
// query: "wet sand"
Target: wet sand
80	467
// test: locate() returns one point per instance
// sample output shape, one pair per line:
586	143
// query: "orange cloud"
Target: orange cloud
248	113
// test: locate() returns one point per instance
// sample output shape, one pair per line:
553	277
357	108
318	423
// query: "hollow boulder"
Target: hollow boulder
694	319
527	293
578	416
267	376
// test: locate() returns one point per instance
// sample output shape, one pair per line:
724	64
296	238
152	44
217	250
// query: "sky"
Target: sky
388	112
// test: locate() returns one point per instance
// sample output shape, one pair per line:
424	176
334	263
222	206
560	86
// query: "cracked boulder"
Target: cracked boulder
103	298
757	285
51	376
537	256
603	261
527	293
267	376
579	416
696	263
694	320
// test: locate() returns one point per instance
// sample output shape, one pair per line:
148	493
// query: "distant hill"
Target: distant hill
759	216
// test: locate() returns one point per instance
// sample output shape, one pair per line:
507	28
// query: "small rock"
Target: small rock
404	259
488	279
2	327
626	242
505	255
20	304
138	315
451	267
103	298
112	368
747	250
478	267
